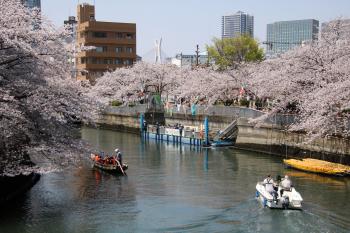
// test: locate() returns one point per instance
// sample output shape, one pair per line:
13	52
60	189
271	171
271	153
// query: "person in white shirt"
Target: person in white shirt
268	182
286	183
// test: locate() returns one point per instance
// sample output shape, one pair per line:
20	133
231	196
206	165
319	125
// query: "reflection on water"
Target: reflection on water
172	188
321	179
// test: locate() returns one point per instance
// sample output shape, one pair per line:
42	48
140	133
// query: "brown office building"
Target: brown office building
115	44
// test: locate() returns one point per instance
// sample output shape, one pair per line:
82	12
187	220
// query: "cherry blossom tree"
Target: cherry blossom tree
40	104
208	86
311	81
132	83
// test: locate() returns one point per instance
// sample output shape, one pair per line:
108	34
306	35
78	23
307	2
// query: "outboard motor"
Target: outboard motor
285	202
275	197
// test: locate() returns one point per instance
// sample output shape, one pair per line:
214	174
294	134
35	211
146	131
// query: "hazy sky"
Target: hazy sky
184	23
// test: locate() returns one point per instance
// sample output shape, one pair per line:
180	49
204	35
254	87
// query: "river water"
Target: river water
175	189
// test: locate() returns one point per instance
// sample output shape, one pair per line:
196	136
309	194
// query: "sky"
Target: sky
182	24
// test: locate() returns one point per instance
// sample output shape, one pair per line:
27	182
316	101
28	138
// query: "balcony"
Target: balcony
107	26
107	54
102	67
106	41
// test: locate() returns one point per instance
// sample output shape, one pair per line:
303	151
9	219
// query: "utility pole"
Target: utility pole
197	56
181	59
208	60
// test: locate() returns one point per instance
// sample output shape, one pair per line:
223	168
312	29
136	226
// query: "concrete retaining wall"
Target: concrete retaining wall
269	138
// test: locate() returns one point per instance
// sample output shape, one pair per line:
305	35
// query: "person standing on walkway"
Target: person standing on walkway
157	128
180	130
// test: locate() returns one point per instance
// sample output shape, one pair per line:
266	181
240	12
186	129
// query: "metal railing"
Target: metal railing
126	110
225	111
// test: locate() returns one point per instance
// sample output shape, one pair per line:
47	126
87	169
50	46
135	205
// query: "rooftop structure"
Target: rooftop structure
182	60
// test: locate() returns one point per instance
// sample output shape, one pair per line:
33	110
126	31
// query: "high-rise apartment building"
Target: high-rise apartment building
115	44
71	25
284	35
32	3
237	24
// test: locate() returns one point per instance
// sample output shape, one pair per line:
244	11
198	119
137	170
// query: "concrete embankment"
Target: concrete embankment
271	137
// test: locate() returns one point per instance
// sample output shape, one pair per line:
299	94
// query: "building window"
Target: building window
101	49
128	62
83	60
93	60
129	50
129	36
119	49
99	34
92	17
108	61
118	61
120	35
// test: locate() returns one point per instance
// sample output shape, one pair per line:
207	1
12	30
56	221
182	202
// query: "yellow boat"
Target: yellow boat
318	166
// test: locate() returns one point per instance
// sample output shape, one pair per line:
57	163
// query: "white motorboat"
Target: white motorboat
289	199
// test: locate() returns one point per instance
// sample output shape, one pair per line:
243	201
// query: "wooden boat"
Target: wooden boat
318	166
112	166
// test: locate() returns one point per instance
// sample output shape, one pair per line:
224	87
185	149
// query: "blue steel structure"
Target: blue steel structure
226	137
174	138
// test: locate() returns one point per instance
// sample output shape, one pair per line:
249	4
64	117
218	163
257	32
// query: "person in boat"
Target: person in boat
119	156
286	184
109	159
98	158
277	182
268	182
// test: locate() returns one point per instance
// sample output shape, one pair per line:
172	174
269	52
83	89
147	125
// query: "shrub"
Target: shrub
116	103
244	102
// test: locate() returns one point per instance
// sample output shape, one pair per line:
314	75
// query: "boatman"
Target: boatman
119	156
268	182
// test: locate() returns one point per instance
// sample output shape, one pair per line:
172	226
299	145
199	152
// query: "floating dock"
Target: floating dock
190	135
173	139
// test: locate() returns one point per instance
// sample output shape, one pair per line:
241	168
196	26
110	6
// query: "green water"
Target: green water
175	189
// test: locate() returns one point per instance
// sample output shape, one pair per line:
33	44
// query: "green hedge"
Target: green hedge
116	103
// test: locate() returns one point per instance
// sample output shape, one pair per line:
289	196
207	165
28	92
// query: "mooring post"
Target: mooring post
206	131
142	119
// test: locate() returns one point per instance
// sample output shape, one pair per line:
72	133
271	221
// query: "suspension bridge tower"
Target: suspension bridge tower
158	50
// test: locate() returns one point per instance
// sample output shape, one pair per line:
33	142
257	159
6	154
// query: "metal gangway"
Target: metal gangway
229	134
